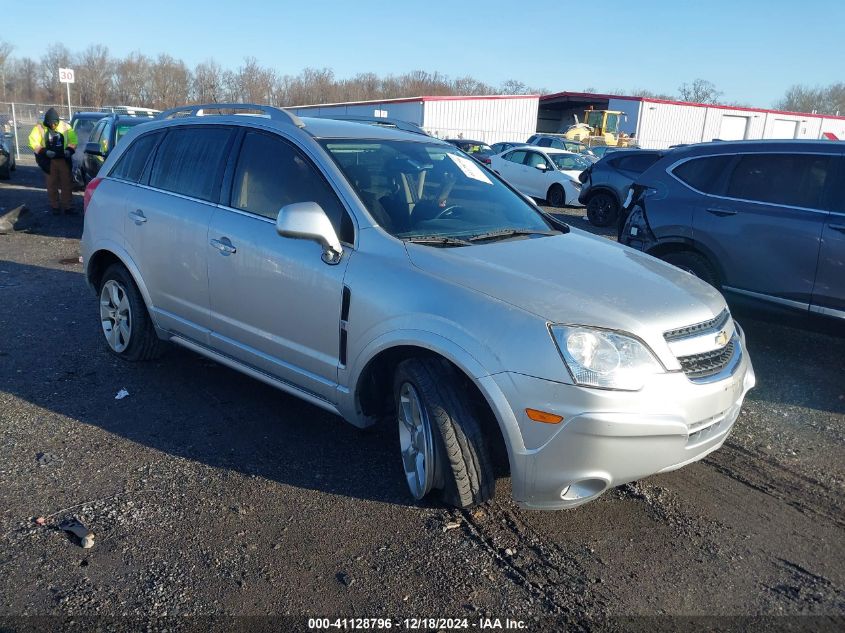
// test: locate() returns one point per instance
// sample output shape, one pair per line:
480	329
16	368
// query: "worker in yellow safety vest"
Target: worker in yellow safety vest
54	142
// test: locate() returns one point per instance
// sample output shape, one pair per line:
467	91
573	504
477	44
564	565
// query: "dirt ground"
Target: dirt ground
212	495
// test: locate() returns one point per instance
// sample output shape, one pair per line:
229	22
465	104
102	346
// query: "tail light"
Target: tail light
89	192
484	159
585	174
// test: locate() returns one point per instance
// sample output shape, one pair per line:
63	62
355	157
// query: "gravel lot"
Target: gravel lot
211	494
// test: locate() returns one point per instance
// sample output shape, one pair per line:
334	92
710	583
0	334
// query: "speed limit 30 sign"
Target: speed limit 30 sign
66	75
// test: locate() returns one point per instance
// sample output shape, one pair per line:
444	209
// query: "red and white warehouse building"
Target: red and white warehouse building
658	123
655	123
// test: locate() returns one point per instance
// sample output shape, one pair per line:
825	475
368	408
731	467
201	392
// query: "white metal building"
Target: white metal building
489	118
658	123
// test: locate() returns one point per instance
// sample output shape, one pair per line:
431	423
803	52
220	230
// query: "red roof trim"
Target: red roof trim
417	99
690	103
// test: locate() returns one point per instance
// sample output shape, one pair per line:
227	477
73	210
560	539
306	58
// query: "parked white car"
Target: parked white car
549	174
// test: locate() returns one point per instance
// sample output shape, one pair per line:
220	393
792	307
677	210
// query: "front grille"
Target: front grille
715	325
708	363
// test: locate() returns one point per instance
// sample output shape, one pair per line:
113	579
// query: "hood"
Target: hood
572	173
580	279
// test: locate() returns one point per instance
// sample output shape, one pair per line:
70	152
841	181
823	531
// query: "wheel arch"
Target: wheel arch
594	191
100	260
681	244
373	388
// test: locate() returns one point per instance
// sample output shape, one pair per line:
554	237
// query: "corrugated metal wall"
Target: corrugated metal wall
488	120
835	127
411	111
664	124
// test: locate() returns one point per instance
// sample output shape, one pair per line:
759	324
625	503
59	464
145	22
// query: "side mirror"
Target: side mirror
541	167
93	148
308	221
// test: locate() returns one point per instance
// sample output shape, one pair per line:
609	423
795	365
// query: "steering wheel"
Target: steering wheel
449	211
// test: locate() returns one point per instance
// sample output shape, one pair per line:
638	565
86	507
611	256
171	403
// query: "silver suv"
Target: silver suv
380	274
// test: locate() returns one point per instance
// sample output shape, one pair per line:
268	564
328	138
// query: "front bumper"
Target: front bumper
609	438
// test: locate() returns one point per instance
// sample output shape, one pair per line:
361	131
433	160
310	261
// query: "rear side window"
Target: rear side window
703	174
516	157
637	163
271	174
189	161
796	180
130	166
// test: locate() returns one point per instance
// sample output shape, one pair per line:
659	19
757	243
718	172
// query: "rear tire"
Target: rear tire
461	466
695	264
602	209
127	328
556	196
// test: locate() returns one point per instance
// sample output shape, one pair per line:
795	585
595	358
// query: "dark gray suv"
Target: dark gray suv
606	183
763	219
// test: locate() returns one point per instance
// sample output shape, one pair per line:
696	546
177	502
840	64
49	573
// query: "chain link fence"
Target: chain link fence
18	119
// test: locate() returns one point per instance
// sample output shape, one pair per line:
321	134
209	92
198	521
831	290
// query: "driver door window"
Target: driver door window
535	160
271	174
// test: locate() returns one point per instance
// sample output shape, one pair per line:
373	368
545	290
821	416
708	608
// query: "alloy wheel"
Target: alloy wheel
415	441
115	315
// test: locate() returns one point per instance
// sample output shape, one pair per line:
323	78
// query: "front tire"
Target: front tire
124	320
440	438
695	264
602	209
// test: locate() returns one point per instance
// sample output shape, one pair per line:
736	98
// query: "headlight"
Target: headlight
602	358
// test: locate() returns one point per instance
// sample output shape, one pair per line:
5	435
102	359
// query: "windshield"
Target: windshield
577	162
424	189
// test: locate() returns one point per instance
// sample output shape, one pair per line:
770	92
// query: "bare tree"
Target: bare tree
5	52
699	91
57	56
132	80
207	85
95	72
254	83
170	82
514	87
827	100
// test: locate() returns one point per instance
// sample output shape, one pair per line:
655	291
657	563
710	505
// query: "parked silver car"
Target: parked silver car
380	274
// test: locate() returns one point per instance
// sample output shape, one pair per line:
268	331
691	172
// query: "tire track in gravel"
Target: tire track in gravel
805	494
556	577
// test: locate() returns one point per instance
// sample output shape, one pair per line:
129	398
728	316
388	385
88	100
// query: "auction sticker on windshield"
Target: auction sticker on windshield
470	168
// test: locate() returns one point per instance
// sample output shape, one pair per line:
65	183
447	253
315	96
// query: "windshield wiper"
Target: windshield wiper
505	233
437	240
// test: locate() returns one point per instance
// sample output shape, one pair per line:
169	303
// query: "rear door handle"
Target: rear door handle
838	227
722	213
138	216
224	245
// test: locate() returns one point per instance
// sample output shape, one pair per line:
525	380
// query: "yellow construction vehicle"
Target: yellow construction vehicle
600	127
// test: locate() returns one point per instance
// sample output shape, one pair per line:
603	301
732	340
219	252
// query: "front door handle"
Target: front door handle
722	213
838	227
138	216
224	245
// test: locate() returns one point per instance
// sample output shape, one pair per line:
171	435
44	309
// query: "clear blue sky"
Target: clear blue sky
753	50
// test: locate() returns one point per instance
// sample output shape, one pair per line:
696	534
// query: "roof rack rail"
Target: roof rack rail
405	126
273	113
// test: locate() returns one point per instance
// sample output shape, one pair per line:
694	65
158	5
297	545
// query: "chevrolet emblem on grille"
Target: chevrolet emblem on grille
722	338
